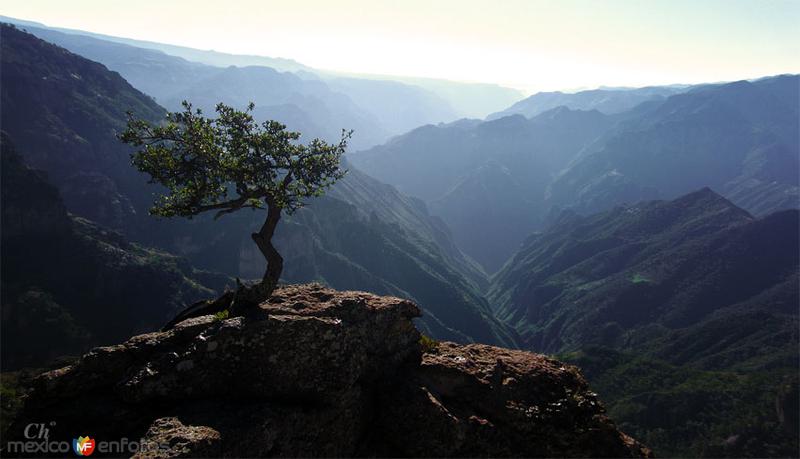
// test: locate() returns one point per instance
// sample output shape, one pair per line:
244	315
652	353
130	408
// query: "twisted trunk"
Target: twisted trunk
246	297
263	239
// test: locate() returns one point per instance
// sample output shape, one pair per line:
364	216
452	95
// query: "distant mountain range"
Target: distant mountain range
495	181
305	105
317	103
466	99
470	100
604	100
486	180
740	139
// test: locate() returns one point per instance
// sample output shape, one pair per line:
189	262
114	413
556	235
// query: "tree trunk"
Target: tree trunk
263	240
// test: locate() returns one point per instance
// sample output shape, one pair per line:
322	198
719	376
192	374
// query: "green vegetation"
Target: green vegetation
428	344
686	411
222	315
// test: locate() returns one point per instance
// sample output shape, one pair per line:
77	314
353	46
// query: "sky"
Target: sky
532	45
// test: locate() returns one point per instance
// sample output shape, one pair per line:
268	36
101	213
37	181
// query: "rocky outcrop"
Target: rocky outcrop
479	400
316	372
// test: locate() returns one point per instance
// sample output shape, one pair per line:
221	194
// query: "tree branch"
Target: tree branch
234	209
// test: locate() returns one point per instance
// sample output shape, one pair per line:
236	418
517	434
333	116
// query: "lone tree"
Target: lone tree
229	163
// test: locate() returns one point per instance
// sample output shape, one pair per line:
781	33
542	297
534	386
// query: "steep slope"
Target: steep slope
610	265
318	373
739	138
608	101
409	214
491	212
151	71
504	165
63	112
68	284
426	265
684	313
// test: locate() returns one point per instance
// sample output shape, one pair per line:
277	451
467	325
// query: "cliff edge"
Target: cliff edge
318	372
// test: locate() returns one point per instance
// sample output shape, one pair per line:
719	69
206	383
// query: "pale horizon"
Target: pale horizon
527	45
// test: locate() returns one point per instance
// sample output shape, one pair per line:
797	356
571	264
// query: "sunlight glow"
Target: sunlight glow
531	45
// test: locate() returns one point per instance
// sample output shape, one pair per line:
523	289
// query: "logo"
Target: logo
37	443
83	446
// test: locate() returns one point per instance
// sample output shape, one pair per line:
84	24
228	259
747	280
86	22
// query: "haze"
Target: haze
530	45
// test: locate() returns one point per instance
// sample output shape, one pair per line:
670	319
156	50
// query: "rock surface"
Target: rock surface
317	372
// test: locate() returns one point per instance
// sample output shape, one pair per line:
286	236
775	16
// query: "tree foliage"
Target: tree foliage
230	162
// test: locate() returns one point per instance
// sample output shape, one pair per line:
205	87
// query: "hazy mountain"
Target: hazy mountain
406	213
738	138
305	105
469	100
608	101
487	180
399	107
208	57
493	182
66	111
153	72
308	106
693	304
315	103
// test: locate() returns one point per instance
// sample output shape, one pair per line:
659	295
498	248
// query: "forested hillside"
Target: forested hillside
675	309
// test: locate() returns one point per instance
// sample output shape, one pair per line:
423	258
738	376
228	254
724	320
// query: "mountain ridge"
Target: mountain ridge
609	101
